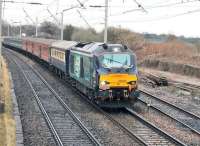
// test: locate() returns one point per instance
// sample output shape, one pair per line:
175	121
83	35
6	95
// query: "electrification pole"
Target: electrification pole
61	22
20	30
34	23
36	27
62	28
106	22
8	33
0	28
20	27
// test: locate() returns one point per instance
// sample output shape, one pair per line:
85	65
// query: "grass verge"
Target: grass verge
7	122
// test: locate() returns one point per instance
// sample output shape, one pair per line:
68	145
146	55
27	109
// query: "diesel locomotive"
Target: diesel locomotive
106	73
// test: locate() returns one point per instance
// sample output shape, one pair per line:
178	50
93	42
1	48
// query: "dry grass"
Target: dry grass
175	50
7	123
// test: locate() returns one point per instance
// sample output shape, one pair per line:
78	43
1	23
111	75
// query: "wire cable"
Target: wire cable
164	17
160	6
84	19
154	7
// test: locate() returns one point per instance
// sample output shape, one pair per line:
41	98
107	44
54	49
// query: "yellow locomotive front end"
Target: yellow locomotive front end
118	86
117	75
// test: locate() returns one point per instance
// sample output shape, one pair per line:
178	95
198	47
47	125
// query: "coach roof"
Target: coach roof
64	45
40	40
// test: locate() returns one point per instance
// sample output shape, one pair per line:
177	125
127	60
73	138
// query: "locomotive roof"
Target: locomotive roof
64	45
40	40
96	48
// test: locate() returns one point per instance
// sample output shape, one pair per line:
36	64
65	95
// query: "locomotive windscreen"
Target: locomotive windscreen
116	60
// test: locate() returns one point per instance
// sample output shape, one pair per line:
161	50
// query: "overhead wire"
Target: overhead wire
163	5
23	2
84	19
155	7
28	16
163	17
140	6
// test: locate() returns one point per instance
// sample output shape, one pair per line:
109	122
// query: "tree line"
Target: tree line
50	30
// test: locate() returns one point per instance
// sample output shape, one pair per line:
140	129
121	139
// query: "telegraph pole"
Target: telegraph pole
106	22
0	28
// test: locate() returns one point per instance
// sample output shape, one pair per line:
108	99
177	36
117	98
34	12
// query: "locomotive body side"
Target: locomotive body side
81	71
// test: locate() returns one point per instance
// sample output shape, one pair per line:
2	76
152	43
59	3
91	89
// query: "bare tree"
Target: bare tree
49	29
68	32
81	34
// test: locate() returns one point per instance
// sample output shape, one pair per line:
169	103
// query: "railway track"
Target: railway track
65	126
181	131
144	132
164	81
186	118
185	86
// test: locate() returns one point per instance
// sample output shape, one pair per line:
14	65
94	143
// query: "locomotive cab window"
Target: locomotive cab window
115	60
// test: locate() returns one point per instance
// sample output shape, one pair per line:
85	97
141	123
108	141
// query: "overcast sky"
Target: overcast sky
179	17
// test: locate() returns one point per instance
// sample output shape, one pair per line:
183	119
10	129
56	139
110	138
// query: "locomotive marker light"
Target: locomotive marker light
116	49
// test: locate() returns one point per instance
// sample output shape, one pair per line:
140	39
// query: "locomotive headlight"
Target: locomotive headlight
132	82
102	83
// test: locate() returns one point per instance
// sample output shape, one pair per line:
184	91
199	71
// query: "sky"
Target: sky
179	17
